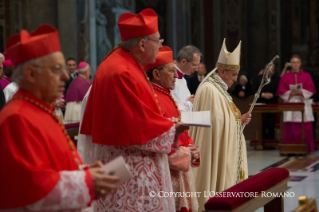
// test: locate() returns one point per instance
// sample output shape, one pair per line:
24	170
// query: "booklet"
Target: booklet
118	167
295	87
198	118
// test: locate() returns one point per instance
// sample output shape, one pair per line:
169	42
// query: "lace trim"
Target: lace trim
70	194
150	173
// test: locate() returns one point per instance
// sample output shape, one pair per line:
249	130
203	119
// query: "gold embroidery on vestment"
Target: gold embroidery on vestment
235	111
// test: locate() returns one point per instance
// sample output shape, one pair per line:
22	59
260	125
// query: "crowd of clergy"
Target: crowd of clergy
132	108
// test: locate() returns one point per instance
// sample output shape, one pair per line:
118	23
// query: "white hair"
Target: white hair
18	75
2	56
245	78
83	70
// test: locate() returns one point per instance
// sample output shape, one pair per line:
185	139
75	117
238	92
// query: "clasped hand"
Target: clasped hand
194	152
296	92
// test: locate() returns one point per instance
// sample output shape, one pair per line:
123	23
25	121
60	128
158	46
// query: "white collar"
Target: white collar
179	69
224	85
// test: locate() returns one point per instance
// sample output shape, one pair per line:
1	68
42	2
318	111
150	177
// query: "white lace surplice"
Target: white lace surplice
295	116
149	169
70	194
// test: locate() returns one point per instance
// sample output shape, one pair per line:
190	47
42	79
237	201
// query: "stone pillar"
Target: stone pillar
286	31
91	29
179	27
274	32
171	26
37	12
257	30
198	25
67	25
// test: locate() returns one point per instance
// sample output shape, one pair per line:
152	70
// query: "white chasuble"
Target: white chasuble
223	148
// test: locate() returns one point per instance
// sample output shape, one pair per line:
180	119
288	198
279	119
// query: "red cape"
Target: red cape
33	149
169	110
121	108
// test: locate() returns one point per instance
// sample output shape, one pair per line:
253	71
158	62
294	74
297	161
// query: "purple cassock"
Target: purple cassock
77	89
292	130
5	81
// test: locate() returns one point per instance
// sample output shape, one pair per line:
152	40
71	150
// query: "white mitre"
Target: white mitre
229	60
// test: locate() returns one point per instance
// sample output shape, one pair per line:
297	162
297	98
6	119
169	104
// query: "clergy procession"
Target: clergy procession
133	148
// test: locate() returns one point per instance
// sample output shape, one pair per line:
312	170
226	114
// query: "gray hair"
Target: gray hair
18	75
2	56
83	70
131	43
187	52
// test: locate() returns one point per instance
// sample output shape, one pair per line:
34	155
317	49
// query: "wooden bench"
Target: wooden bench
272	180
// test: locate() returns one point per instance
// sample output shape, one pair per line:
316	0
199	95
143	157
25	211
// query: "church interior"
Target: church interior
88	31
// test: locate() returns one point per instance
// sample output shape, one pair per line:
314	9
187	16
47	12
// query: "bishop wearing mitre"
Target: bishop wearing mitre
222	147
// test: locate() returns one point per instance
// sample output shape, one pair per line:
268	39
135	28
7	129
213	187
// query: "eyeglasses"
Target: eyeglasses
157	41
194	65
233	76
57	69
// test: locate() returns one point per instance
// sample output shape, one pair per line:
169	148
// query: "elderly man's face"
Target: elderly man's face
167	77
228	76
152	45
71	64
50	79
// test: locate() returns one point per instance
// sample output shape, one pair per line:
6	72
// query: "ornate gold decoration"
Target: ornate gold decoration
102	192
235	111
228	66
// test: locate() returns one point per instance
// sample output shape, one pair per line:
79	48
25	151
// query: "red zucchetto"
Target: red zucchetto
164	56
138	25
24	46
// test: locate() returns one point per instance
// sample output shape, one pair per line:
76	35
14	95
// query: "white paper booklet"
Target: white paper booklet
118	167
295	87
199	119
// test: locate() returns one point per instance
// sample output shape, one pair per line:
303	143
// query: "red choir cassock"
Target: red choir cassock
123	118
179	160
34	146
292	120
